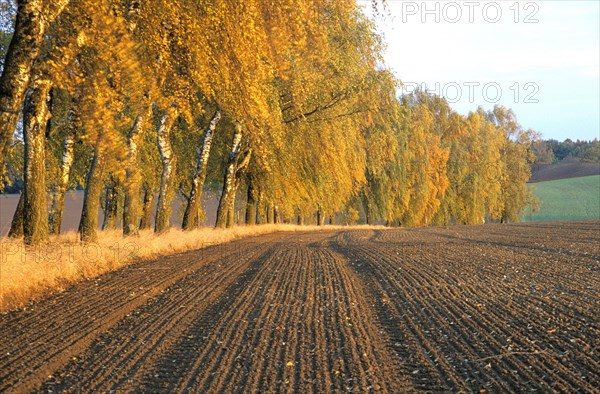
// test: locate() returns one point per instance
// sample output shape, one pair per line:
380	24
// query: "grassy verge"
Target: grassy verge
27	273
567	199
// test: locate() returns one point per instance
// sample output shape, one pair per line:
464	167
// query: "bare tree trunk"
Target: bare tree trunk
133	177
111	207
58	195
251	203
16	226
332	219
367	208
230	215
165	195
239	173
300	220
276	215
229	182
260	209
146	221
320	217
33	18
240	169
88	225
191	215
35	120
270	214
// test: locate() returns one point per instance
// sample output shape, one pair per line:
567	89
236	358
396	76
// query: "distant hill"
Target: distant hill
570	159
568	168
567	199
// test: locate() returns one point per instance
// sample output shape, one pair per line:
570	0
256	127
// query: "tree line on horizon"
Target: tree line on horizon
552	151
288	110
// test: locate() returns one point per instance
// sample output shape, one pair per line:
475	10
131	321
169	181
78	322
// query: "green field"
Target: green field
566	199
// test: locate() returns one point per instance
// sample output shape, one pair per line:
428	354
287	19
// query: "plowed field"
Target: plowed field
485	308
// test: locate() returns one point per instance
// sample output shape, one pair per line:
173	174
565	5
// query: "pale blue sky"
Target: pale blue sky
554	59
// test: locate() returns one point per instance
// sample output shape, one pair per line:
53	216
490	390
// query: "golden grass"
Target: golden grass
28	273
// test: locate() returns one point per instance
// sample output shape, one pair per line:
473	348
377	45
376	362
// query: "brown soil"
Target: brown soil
562	170
482	308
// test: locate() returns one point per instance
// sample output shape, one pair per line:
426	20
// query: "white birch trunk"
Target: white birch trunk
229	181
192	211
163	210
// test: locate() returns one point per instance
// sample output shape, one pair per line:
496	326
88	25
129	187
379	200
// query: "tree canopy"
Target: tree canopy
286	108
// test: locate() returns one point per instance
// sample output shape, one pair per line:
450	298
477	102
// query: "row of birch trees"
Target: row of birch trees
285	108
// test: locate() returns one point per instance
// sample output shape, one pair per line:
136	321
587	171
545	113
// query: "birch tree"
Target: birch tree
32	22
227	199
191	215
165	195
